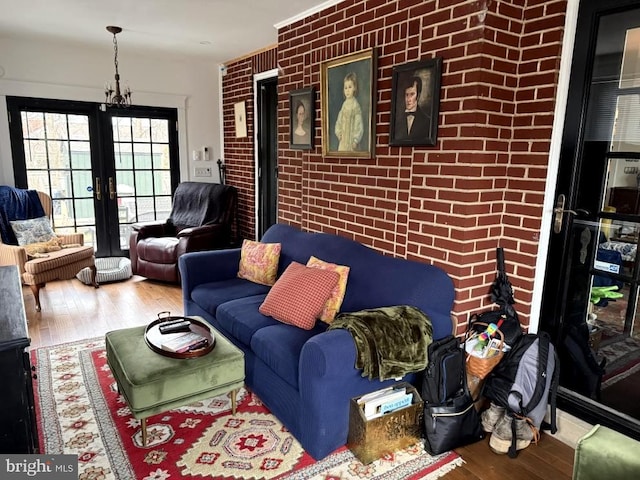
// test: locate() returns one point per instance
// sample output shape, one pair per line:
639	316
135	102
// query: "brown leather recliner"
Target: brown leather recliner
201	218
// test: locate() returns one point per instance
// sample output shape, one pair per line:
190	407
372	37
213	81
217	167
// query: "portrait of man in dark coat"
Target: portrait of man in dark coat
415	99
413	123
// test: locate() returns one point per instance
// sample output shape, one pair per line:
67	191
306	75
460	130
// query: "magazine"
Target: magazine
184	342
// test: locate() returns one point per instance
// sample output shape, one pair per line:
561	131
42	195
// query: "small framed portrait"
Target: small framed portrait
415	101
302	118
348	105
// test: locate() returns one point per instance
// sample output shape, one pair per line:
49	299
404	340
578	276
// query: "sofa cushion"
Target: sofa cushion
299	295
279	346
162	250
259	262
242	319
209	296
334	302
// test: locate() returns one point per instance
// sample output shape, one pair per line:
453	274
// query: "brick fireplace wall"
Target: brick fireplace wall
482	184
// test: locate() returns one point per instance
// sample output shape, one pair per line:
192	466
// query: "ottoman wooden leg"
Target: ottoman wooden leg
233	401
143	426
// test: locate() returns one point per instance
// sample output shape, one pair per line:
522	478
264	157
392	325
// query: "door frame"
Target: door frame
570	90
257	78
553	167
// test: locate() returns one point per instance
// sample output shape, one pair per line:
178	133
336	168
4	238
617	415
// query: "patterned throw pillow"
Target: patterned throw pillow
259	262
299	295
32	231
334	302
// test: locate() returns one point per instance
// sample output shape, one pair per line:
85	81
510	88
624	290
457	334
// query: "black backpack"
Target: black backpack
526	381
450	417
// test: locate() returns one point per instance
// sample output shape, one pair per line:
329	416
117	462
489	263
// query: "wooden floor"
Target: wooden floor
73	311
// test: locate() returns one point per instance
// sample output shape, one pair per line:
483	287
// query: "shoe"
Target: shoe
500	440
490	417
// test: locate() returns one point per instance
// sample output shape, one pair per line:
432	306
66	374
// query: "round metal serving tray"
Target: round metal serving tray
154	338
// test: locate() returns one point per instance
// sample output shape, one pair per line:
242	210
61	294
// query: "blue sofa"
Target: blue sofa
307	377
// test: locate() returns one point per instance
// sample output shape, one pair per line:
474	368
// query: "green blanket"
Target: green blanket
390	341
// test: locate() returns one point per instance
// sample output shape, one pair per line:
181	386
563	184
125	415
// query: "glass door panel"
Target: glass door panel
142	170
58	162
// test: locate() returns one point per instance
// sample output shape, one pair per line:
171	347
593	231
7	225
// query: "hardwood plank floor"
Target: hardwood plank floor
73	311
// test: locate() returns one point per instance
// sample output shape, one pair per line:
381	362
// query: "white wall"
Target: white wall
72	72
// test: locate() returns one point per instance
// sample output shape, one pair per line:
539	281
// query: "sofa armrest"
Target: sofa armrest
327	381
152	229
13	255
197	268
202	230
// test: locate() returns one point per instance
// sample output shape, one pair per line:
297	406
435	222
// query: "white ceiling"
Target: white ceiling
218	30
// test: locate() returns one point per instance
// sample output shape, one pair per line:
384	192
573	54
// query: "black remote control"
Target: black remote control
182	326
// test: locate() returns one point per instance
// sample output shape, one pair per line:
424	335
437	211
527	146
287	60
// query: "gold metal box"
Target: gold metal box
369	440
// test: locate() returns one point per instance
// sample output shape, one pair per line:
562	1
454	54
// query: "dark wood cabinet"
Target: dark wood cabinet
18	432
626	200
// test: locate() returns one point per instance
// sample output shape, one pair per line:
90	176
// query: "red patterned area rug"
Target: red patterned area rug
79	411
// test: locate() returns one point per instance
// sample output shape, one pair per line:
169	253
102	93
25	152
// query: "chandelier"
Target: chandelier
114	96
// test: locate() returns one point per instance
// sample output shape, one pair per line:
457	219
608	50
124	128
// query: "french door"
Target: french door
590	299
104	168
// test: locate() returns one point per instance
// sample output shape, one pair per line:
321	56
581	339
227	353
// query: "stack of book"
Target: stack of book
390	399
184	342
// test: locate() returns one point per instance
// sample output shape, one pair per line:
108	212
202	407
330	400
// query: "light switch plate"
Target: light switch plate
202	171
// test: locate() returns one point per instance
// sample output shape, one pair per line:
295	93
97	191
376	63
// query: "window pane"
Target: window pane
78	127
144	183
159	130
123	155
58	154
80	155
141	130
142	155
162	183
56	125
121	129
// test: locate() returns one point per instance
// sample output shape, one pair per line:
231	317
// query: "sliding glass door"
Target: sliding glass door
104	169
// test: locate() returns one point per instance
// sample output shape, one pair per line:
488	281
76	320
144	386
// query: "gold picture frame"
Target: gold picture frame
348	105
302	118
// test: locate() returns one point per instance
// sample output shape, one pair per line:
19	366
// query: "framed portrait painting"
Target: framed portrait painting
415	101
348	105
302	118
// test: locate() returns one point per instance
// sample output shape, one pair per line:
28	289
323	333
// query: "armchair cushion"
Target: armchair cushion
32	230
34	249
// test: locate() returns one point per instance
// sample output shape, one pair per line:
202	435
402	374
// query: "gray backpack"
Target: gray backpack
526	381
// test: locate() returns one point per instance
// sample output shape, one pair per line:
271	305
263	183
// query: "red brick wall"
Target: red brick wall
481	186
237	86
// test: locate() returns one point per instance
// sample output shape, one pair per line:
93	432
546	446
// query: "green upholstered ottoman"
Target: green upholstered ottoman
152	383
606	454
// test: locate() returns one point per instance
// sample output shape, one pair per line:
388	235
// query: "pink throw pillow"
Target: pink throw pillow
259	262
299	295
332	307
